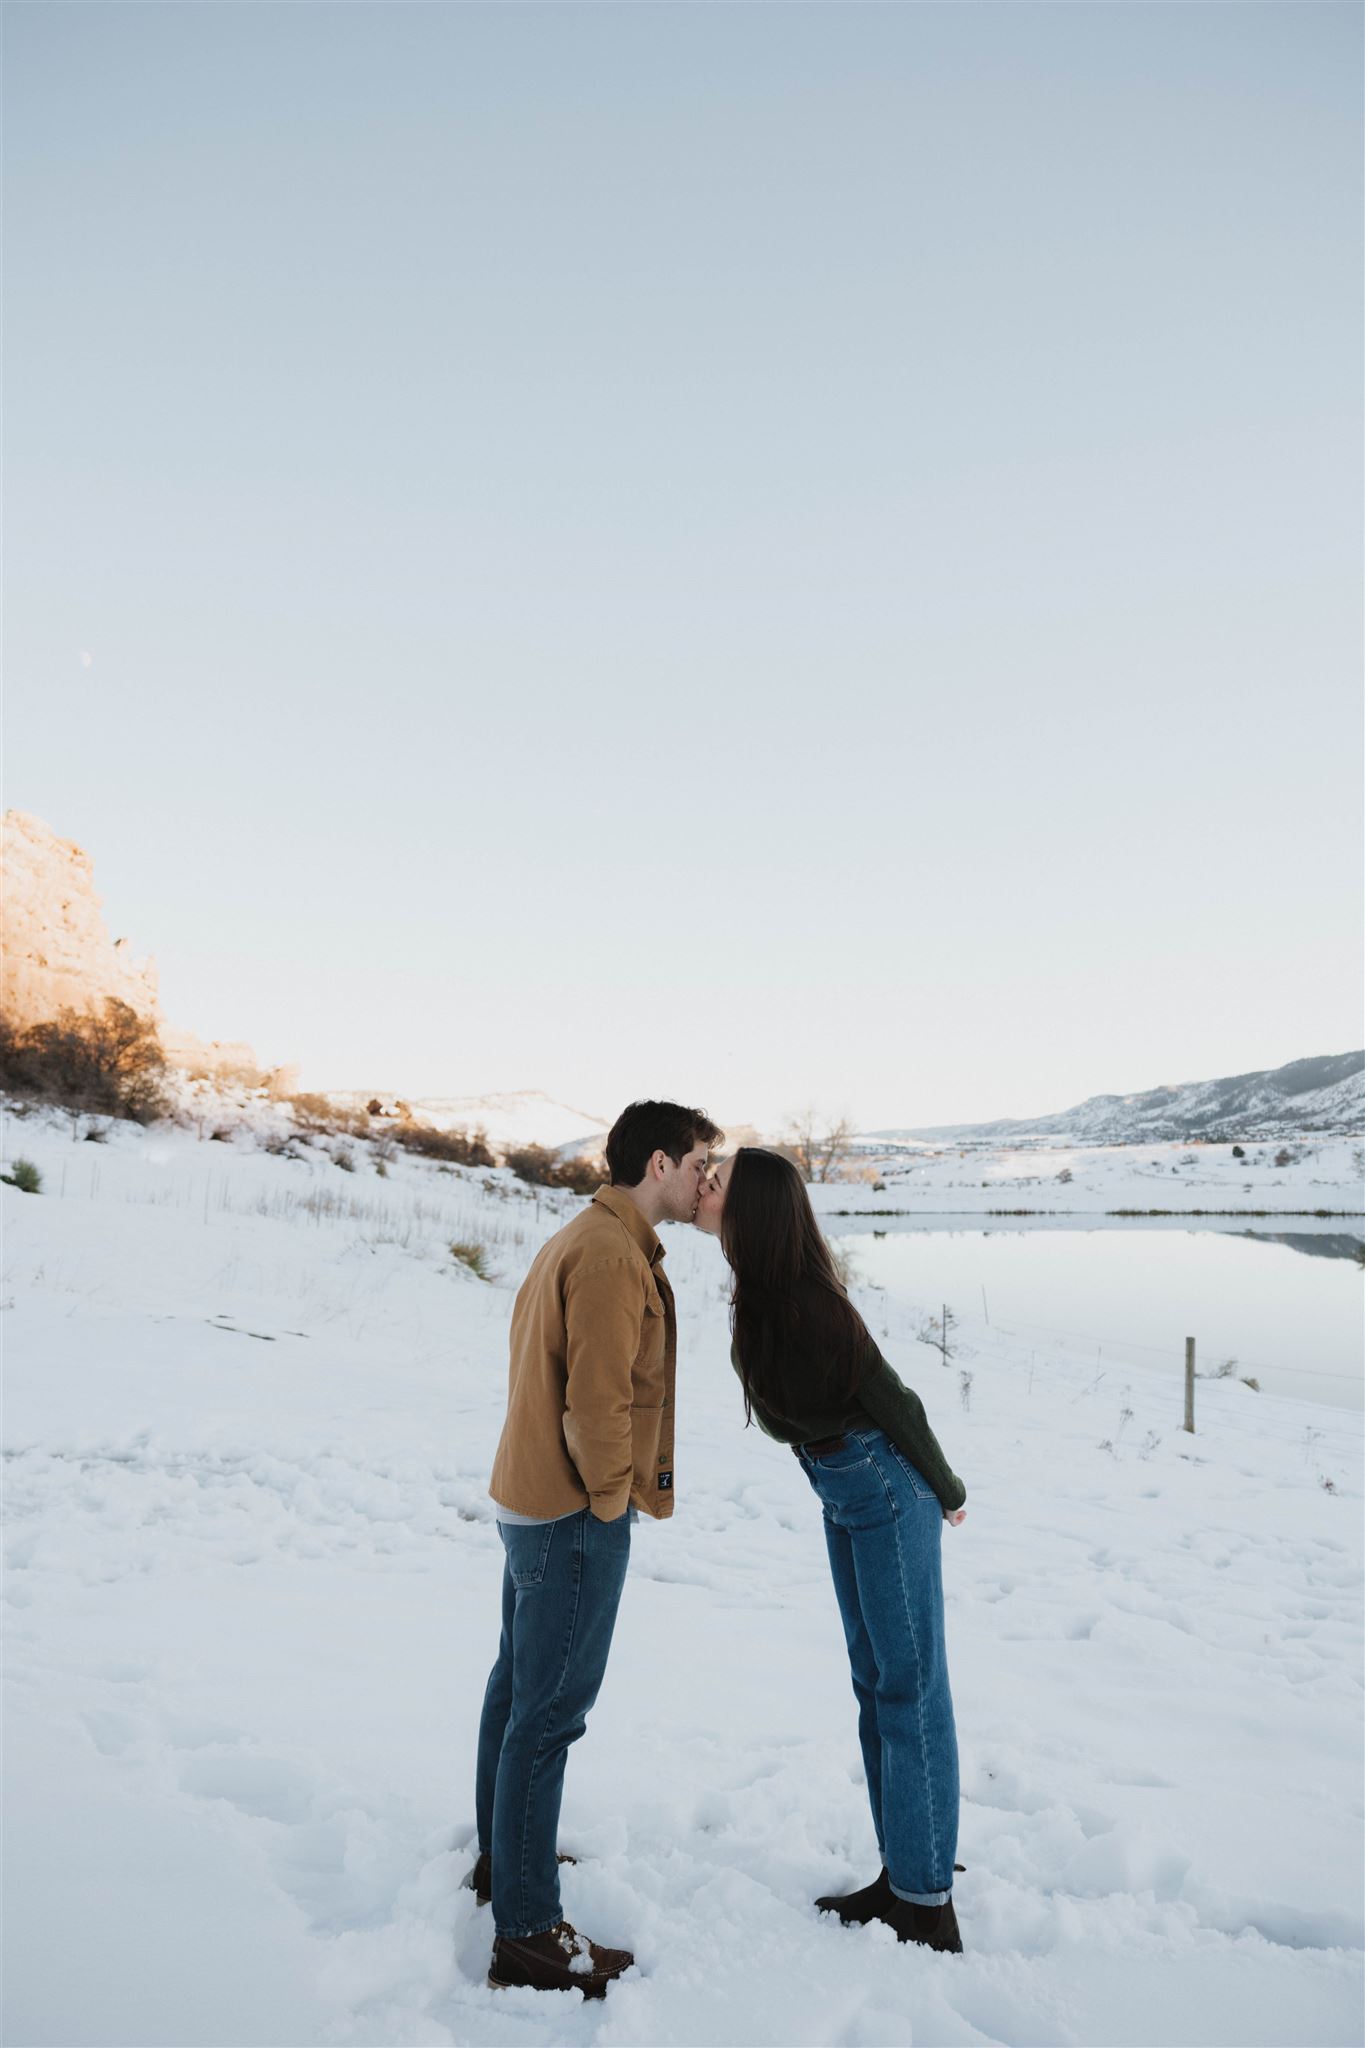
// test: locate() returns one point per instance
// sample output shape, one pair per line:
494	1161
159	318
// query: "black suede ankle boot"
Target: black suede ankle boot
855	1909
934	1926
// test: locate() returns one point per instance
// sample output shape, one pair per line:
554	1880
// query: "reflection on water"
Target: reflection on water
1319	1244
1133	1291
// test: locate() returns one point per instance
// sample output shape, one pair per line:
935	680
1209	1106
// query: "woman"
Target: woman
813	1378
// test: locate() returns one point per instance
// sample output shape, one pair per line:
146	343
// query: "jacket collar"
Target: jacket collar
626	1212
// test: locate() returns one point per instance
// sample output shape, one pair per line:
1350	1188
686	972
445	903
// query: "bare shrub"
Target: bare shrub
320	1113
110	1064
543	1168
536	1164
939	1331
582	1176
458	1148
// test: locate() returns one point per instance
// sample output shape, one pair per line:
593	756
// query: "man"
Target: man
588	1440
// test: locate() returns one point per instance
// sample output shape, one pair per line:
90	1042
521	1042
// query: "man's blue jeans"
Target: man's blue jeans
884	1530
561	1587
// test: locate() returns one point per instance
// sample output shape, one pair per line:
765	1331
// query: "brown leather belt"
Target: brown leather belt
822	1447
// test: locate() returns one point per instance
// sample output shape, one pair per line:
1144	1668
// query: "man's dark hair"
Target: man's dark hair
645	1128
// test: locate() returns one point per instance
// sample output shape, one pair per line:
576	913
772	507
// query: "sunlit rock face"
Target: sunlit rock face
57	952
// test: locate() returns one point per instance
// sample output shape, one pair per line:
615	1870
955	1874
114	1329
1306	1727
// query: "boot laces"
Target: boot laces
577	1949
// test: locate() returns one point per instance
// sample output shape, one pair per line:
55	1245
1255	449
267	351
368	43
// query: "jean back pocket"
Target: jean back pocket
528	1550
912	1472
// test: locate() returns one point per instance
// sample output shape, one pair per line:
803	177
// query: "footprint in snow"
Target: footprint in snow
112	1733
262	1787
186	1734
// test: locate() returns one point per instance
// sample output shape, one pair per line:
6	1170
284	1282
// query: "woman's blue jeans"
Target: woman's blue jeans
561	1587
884	1530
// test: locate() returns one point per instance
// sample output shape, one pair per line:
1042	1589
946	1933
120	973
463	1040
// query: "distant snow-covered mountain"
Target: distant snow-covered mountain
1322	1094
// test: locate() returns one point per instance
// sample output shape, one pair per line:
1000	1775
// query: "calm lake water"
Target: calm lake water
1286	1304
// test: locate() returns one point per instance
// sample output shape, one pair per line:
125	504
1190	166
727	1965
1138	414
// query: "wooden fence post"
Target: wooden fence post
1189	1385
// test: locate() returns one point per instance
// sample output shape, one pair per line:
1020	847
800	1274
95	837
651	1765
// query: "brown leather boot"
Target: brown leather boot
561	1959
480	1878
934	1926
855	1909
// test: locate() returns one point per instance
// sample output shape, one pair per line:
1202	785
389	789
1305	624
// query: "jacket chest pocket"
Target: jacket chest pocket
647	1378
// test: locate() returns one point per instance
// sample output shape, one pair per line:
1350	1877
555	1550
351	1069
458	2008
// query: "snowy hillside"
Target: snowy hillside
525	1117
252	1596
1323	1094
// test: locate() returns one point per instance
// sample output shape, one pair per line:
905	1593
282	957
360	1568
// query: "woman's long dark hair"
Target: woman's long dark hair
797	1334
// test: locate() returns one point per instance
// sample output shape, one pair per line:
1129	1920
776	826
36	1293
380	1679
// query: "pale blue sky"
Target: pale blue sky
754	552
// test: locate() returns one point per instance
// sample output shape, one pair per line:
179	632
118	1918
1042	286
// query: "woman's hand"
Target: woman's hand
952	1516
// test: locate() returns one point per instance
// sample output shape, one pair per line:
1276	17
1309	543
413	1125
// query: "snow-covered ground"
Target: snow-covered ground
1320	1174
252	1597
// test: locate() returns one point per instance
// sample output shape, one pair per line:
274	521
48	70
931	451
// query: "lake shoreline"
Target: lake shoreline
936	1211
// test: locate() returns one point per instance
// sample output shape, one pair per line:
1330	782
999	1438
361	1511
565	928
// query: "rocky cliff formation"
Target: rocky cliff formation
58	954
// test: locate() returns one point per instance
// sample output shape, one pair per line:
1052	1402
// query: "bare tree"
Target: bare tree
818	1142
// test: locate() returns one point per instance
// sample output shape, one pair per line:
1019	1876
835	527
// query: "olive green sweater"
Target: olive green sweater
882	1401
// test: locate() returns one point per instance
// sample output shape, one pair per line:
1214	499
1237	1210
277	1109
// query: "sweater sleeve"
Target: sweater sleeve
899	1410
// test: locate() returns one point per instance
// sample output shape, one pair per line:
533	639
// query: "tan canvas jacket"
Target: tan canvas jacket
590	1387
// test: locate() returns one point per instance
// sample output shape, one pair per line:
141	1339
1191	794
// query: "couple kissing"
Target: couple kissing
588	1444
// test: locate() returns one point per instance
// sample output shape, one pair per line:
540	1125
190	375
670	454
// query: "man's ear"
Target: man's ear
659	1164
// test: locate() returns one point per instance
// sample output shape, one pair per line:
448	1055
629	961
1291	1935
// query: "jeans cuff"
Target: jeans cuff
526	1933
922	1898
